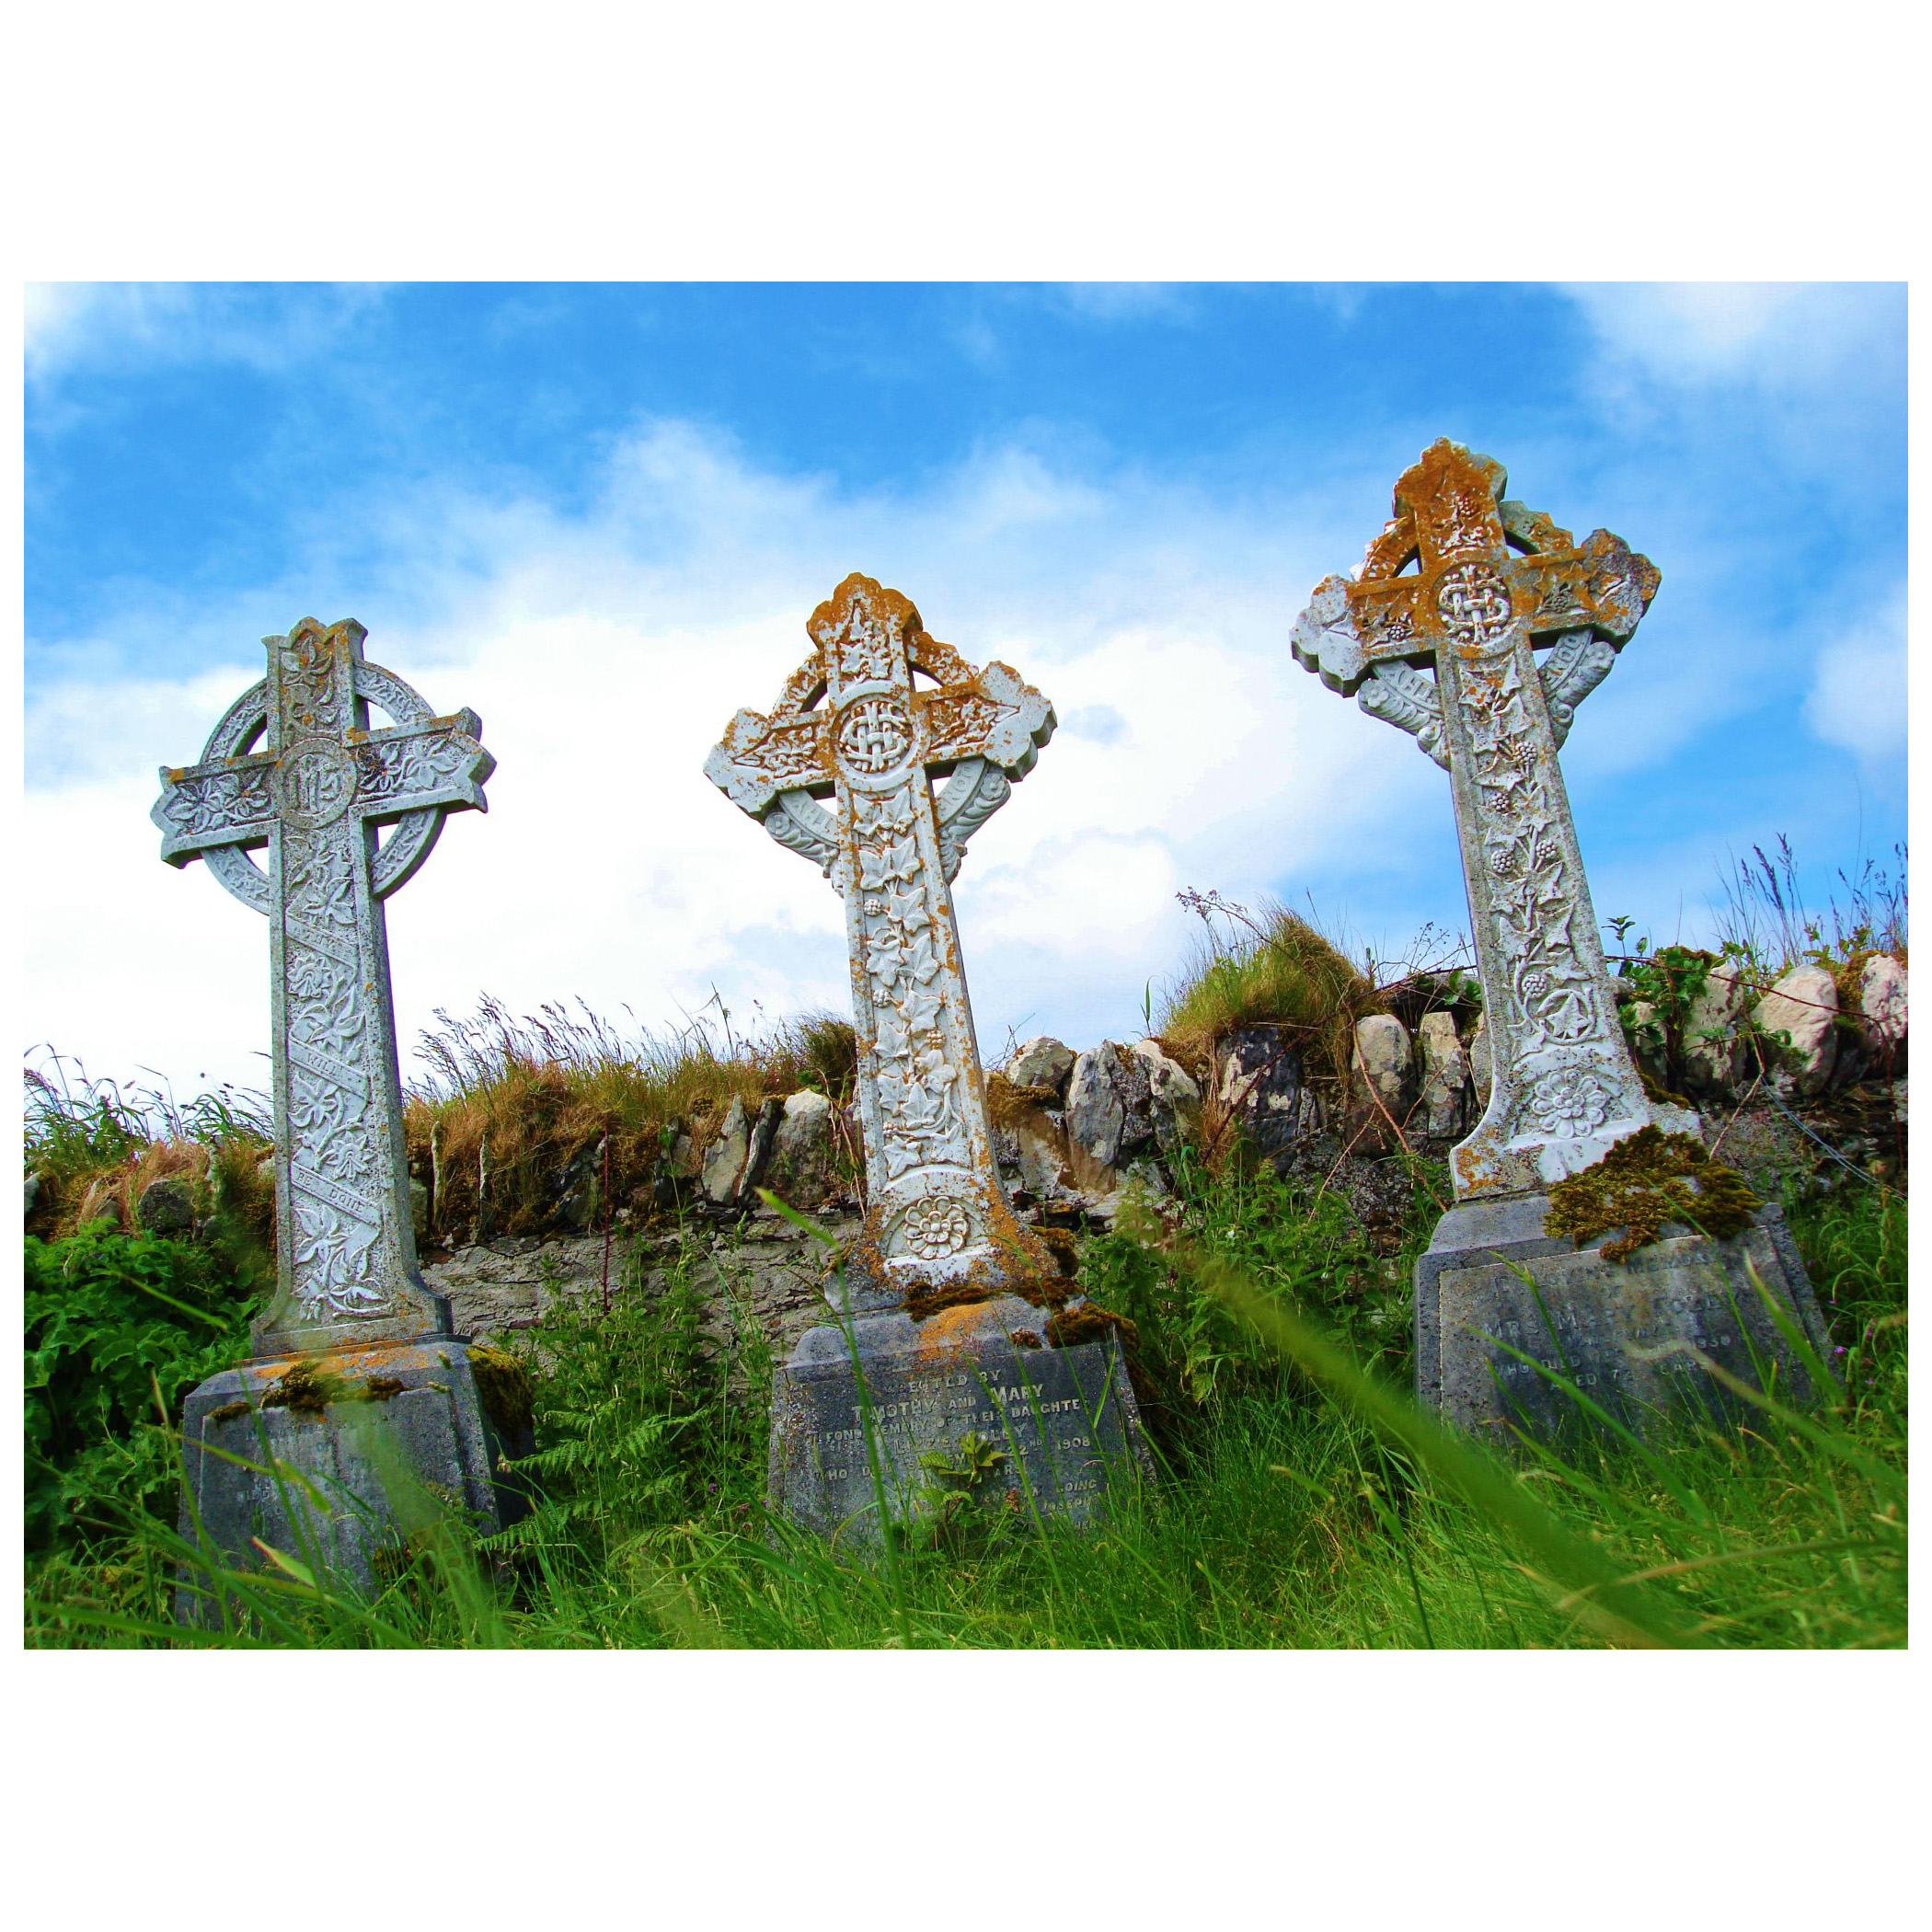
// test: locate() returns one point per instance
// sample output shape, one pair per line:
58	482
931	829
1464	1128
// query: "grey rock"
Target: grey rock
1260	1091
34	1191
1444	1101
1882	1003
1109	1110
1898	1102
420	1210
1715	1056
1174	1097
803	1161
1648	1046
1803	1007
1043	1062
758	1154
1383	1063
166	1206
724	1159
580	1187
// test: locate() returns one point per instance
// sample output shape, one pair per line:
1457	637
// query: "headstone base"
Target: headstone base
387	1436
1019	1431
1626	1333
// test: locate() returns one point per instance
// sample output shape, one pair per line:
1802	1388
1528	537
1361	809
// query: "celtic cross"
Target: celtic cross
850	726
1469	586
295	768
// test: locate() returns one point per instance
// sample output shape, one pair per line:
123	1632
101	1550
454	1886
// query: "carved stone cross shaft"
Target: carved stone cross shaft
295	768
1469	586
849	724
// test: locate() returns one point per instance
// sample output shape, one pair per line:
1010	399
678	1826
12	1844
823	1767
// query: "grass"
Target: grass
1305	1501
512	1105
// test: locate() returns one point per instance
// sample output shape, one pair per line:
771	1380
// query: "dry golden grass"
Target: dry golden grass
515	1102
1276	970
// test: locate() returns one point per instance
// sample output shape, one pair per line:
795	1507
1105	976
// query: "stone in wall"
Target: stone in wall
1042	1062
1882	1002
1802	1006
1260	1093
1443	1109
1382	1071
1716	1059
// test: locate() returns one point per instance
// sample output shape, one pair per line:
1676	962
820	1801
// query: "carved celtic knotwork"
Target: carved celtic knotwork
875	735
1472	602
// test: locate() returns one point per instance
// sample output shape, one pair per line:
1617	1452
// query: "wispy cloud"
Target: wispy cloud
72	326
605	654
1858	698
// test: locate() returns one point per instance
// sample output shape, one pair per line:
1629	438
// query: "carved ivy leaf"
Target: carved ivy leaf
907	910
919	961
922	1011
891	1038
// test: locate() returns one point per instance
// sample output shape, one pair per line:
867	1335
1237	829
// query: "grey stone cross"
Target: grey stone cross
1467	586
295	768
851	726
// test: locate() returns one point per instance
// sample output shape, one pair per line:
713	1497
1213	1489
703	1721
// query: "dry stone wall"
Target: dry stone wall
1074	1130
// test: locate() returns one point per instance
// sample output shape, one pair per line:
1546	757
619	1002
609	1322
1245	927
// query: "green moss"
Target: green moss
1646	1181
308	1388
503	1387
1089	1322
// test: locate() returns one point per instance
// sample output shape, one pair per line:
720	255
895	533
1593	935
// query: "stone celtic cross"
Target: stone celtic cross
295	768
1467	586
850	726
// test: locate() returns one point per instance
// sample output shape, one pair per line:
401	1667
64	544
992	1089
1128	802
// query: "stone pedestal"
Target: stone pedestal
1057	1424
389	1438
1623	1331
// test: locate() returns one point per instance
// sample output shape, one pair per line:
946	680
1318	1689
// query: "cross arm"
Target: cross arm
992	714
436	762
760	757
1600	585
222	801
1348	629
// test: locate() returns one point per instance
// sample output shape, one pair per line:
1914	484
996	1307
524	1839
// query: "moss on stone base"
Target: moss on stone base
1646	1181
503	1387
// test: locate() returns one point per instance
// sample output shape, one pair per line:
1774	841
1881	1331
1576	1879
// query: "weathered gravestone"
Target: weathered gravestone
356	1380
954	1349
1436	633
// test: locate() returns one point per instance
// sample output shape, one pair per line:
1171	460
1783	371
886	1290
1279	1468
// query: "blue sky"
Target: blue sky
600	515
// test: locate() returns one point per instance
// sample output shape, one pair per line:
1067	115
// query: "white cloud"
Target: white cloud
73	324
1858	698
1124	301
605	654
1781	337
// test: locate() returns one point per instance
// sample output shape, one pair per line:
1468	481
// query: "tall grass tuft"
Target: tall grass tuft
1274	968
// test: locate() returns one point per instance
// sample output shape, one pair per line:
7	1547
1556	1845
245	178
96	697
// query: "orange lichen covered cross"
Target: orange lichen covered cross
850	724
1469	586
